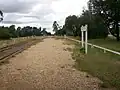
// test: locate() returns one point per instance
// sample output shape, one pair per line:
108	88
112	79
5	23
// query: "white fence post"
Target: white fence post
86	41
82	39
84	29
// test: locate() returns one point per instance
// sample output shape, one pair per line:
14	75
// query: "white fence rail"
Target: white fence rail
92	45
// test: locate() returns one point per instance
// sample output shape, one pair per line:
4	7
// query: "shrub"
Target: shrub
4	33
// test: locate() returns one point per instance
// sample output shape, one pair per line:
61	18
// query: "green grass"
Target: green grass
105	66
107	43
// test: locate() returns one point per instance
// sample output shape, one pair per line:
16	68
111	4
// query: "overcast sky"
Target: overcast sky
39	12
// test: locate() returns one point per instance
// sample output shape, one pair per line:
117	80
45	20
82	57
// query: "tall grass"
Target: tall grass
105	66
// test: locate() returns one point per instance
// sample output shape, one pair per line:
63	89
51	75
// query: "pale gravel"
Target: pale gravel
45	66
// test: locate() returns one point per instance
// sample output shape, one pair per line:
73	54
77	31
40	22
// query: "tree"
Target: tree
4	33
71	23
1	15
44	32
18	32
96	27
27	31
8	32
55	26
40	29
12	31
108	10
36	31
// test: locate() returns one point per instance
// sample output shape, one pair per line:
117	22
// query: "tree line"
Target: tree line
102	18
12	32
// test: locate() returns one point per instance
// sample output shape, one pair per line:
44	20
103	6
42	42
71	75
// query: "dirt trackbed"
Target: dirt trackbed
45	66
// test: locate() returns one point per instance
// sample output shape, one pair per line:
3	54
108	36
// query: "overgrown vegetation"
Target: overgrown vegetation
82	50
58	37
4	43
102	18
12	32
107	43
105	66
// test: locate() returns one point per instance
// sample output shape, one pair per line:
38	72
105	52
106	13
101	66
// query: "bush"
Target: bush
82	50
4	33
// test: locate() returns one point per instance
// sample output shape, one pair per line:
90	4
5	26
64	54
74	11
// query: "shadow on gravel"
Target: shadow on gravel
4	62
68	49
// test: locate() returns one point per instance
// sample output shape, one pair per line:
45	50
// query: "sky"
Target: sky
39	13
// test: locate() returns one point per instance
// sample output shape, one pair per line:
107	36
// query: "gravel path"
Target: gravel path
45	66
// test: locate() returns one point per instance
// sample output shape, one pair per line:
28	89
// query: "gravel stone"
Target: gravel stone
45	66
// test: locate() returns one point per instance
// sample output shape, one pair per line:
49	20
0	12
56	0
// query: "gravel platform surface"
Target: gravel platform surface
45	66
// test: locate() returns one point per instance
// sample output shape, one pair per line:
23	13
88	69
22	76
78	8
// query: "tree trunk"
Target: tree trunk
117	31
116	19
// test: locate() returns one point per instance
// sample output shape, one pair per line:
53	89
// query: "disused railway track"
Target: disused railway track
9	51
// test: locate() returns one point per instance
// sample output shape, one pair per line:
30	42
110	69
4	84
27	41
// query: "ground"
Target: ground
45	66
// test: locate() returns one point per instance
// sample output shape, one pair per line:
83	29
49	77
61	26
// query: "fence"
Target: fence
96	46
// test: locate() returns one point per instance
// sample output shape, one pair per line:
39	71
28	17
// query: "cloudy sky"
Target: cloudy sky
39	12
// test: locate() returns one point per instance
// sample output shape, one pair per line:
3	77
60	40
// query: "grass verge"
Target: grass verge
105	66
59	37
107	43
4	43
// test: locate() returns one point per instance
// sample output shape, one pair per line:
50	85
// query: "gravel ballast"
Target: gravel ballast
45	66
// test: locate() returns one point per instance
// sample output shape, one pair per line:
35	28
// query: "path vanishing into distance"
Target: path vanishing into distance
45	66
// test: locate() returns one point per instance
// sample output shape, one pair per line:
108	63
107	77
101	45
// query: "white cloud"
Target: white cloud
27	19
39	12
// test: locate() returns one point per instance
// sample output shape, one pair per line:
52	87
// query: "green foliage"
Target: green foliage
71	24
108	10
102	17
11	32
82	50
1	15
104	66
55	26
4	33
44	32
96	27
60	32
